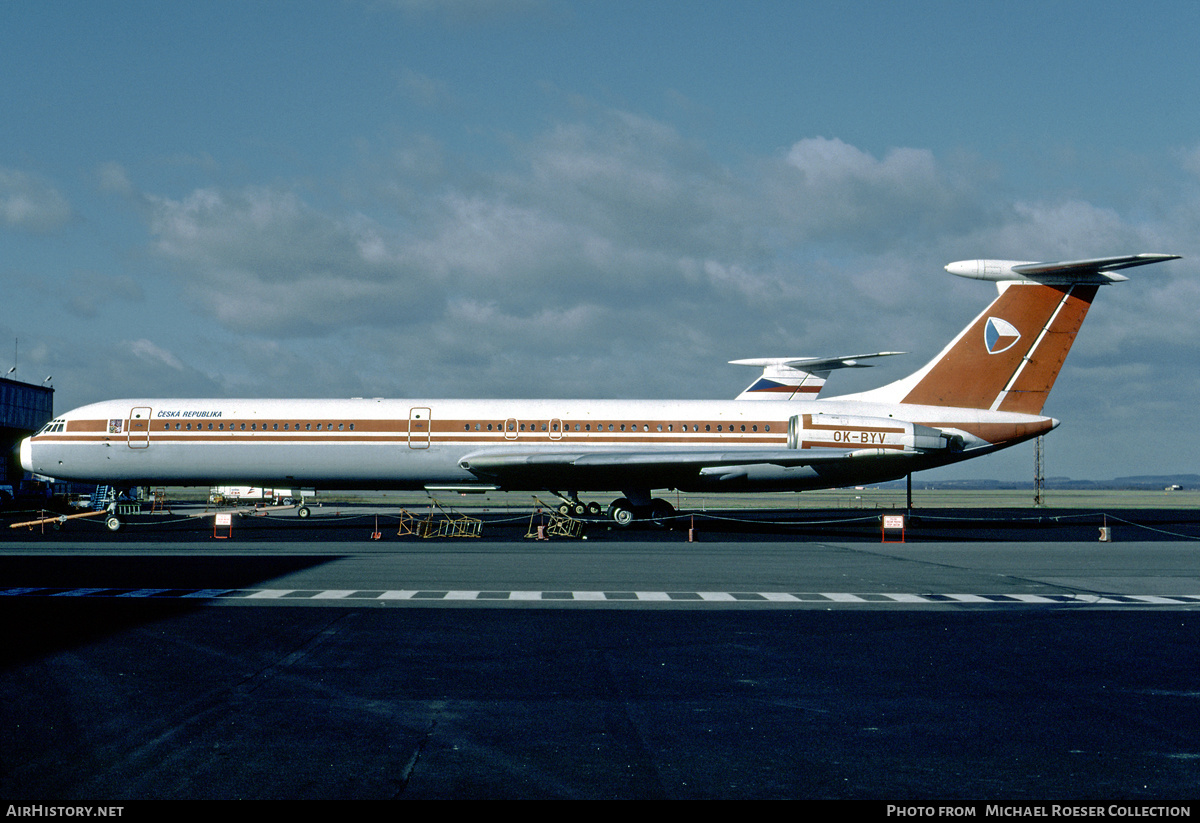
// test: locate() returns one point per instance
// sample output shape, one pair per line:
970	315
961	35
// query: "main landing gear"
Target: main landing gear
624	511
572	506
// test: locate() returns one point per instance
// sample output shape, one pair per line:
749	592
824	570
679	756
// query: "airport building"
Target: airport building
24	408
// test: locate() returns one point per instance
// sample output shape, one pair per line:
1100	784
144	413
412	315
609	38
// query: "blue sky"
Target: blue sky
604	199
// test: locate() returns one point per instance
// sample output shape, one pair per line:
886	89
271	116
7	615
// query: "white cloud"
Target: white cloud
422	88
114	178
29	203
147	351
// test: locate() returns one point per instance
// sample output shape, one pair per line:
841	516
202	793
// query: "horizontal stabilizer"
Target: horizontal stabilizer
813	364
791	378
1097	271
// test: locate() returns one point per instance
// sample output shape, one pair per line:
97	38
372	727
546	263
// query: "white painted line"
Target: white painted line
717	597
333	594
461	595
970	598
398	594
267	594
779	597
838	597
588	595
524	595
906	598
657	596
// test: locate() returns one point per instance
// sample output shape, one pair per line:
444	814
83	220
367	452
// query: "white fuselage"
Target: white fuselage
412	444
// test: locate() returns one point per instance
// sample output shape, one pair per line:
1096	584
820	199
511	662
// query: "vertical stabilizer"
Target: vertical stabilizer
1008	357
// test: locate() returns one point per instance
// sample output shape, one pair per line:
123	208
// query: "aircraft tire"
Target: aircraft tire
621	512
661	513
112	523
593	508
303	512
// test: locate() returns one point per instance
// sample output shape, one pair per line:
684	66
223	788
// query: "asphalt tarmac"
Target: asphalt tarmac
629	665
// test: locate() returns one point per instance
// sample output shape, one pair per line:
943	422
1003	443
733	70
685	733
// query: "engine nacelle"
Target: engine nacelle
857	433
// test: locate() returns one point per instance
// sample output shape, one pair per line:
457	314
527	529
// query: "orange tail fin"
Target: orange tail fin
1008	357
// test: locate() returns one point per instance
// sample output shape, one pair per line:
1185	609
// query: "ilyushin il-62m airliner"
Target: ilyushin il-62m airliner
983	392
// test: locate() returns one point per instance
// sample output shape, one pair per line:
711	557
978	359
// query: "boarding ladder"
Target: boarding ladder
100	498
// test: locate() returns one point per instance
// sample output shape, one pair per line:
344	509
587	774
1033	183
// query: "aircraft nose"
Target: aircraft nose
27	454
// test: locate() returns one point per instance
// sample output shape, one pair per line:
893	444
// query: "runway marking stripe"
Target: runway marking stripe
561	596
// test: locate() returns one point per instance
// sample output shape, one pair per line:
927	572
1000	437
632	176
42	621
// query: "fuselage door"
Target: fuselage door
556	428
419	425
510	429
138	435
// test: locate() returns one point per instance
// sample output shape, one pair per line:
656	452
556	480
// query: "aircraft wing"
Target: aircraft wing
621	469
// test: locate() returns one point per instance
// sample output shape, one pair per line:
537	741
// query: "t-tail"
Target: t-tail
1008	357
